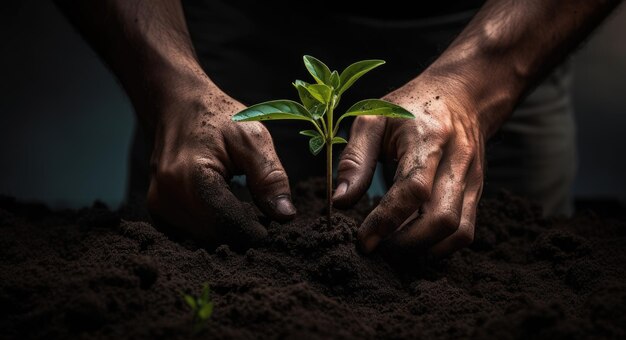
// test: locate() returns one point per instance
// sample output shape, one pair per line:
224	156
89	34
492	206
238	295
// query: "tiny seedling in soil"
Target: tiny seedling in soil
319	101
201	307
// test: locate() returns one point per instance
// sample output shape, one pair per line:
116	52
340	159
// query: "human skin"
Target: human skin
188	119
459	101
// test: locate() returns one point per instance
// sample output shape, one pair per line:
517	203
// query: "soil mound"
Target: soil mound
97	273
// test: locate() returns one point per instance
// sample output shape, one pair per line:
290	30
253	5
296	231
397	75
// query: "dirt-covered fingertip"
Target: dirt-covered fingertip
281	208
368	240
341	196
341	189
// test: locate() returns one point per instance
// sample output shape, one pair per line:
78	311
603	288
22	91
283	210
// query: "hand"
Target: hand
197	148
432	203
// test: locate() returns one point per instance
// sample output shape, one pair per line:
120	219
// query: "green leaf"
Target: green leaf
321	92
191	301
339	140
205	312
274	110
318	69
377	107
310	133
317	111
299	82
316	144
355	71
316	108
335	80
312	96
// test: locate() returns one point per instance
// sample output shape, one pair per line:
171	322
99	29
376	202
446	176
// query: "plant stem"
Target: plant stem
329	163
329	179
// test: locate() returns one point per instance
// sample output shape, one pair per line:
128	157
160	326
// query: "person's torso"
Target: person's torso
253	50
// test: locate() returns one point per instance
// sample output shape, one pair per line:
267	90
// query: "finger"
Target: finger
233	222
200	205
441	215
253	152
464	236
412	187
358	160
269	185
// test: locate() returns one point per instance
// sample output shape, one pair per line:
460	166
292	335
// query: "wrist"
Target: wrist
482	85
170	90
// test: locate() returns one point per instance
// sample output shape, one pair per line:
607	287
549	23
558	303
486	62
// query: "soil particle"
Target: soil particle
94	273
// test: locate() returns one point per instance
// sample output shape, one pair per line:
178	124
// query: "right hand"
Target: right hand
197	149
431	206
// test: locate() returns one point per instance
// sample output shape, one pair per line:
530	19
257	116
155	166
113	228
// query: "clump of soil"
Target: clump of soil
94	273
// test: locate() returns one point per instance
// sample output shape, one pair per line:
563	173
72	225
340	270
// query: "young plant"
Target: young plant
201	307
319	101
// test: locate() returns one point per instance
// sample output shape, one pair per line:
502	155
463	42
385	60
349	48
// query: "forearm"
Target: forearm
145	43
510	45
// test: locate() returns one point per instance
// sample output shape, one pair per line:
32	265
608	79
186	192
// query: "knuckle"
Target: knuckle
350	159
447	221
441	128
419	188
362	123
274	176
255	128
176	173
252	135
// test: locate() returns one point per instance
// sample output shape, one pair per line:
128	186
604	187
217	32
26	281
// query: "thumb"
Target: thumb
358	160
265	176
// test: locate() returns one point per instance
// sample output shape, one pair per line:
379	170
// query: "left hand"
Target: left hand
432	204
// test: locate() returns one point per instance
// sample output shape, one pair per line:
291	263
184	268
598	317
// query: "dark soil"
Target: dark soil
90	273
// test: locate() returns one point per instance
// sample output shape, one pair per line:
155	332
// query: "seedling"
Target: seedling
319	101
201	307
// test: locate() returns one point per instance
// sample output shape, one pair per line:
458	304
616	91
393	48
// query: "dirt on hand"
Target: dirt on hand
98	273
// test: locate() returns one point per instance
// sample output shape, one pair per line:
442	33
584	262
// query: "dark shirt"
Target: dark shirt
253	49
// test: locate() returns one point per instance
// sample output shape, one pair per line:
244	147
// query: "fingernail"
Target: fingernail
282	205
341	189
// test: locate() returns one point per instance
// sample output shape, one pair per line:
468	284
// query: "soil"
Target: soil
99	273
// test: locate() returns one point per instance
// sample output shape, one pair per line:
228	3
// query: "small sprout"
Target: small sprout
201	307
319	101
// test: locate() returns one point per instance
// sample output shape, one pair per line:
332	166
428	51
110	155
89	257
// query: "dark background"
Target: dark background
65	124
